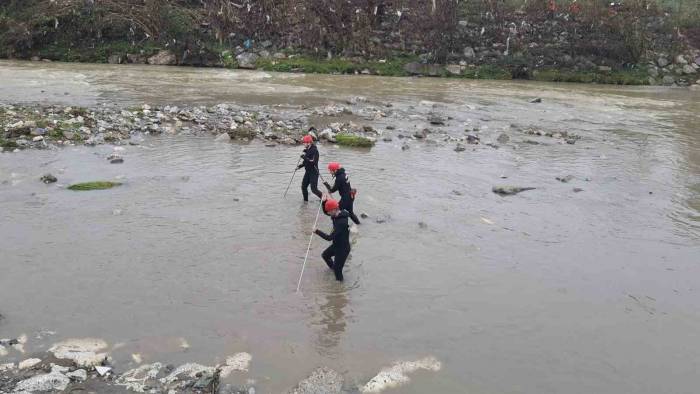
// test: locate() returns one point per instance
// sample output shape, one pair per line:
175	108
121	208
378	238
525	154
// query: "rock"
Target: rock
605	69
651	81
577	190
421	134
364	215
436	119
53	381
536	101
680	59
405	147
460	148
382	219
102	371
135	58
79	375
571	141
163	58
432	70
83	352
239	362
114	59
35	58
397	375
190	370
653	72
37	139
224	137
662	62
422	225
697	60
279	55
136	379
454	69
321	381
247	60
510	190
668	80
688	69
503	138
565	179
29	363
387	139
472	139
38	132
117	160
48	178
469	53
206	382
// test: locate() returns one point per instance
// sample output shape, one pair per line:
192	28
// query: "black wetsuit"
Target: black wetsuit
310	164
342	186
340	248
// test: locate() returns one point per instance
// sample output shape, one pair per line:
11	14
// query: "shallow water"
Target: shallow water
548	291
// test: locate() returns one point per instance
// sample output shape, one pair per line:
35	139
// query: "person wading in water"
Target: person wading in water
310	164
342	186
336	254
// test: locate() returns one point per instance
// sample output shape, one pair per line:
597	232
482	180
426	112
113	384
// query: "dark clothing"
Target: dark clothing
310	164
337	265
340	248
310	178
310	157
342	186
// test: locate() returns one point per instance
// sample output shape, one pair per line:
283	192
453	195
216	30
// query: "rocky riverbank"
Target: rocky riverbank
583	41
87	364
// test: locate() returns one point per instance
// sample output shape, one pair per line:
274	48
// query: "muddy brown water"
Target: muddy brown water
549	291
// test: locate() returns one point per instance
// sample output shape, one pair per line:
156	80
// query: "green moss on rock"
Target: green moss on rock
353	140
96	185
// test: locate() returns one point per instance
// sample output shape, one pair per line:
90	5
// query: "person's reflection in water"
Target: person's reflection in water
331	321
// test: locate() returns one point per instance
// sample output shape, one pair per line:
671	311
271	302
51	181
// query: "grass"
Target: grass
97	185
393	67
353	140
636	76
7	144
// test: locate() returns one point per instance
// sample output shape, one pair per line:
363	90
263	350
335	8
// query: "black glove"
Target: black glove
327	185
302	156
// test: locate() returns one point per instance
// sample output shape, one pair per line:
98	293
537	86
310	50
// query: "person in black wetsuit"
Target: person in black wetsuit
310	164
336	254
342	186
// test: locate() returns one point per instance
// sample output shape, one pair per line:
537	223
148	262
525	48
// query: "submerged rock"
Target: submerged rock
460	148
46	178
321	381
397	375
83	352
510	190
503	138
54	381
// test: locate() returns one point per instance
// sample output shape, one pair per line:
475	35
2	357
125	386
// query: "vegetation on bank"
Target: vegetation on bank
353	140
360	37
97	185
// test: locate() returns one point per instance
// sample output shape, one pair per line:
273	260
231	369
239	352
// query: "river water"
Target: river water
548	291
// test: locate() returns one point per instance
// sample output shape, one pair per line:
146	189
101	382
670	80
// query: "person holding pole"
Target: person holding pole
336	254
310	164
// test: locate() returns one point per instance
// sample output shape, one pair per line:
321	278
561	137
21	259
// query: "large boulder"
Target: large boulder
247	60
669	80
115	59
135	58
163	58
688	69
432	70
469	53
662	62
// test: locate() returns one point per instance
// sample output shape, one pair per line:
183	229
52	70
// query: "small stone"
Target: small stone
571	141
223	138
48	178
460	148
29	363
387	139
436	119
536	101
405	147
662	62
364	215
503	138
565	179
79	376
472	139
577	190
102	371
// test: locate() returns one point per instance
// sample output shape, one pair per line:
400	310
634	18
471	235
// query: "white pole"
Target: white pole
309	247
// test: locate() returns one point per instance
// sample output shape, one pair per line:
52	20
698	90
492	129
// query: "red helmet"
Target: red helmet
307	139
330	205
333	166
